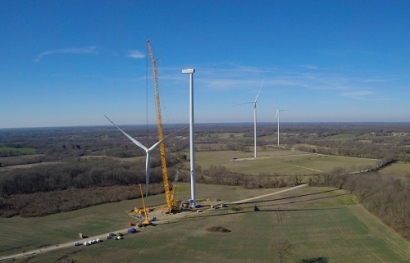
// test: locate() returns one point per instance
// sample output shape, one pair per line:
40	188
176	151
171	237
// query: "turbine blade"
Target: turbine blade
263	82
128	136
276	116
257	97
249	102
157	143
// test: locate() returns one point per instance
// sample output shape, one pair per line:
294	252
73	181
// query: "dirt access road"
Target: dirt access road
125	230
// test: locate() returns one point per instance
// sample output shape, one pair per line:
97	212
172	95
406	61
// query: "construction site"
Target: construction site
148	215
249	216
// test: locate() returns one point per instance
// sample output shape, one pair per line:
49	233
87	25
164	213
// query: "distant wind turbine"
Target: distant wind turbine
147	151
277	115
255	103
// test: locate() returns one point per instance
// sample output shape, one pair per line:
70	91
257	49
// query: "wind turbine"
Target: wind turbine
255	103
147	151
277	115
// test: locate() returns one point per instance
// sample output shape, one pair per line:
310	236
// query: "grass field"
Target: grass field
18	151
341	137
280	161
21	160
318	222
399	168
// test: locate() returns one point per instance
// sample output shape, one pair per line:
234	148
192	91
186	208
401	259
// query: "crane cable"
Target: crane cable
146	93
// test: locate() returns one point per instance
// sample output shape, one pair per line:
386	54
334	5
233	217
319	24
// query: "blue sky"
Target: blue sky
66	63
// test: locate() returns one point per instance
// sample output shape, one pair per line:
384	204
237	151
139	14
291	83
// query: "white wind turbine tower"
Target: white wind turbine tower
255	103
277	115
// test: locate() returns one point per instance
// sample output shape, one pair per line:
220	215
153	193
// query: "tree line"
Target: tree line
82	173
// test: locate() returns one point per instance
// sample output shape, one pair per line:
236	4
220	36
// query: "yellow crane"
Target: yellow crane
146	219
172	205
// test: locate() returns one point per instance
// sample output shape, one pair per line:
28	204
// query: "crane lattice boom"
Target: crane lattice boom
169	197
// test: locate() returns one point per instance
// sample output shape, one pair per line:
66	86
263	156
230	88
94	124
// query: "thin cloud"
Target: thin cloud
135	54
84	50
244	78
309	66
357	94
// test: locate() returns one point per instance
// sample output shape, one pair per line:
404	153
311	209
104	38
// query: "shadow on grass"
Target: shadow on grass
65	256
285	198
248	207
315	260
229	212
288	203
301	201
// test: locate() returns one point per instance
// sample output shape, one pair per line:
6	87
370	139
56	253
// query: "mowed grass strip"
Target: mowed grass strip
338	232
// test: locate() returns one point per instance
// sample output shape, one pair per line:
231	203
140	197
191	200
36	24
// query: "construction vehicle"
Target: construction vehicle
171	204
146	221
140	211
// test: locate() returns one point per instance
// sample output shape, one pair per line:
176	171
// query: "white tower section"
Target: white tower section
191	133
254	125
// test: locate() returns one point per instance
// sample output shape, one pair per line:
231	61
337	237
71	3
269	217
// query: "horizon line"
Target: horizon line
211	123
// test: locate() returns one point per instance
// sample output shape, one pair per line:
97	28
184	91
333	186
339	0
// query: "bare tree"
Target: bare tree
279	215
283	247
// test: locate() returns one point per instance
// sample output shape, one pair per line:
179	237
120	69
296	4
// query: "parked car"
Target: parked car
132	230
77	244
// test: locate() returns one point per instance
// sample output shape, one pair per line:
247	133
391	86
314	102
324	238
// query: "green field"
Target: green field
341	137
317	222
18	151
399	168
282	162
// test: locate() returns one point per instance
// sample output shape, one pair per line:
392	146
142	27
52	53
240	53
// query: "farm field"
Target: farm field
18	150
282	162
17	160
279	161
318	223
